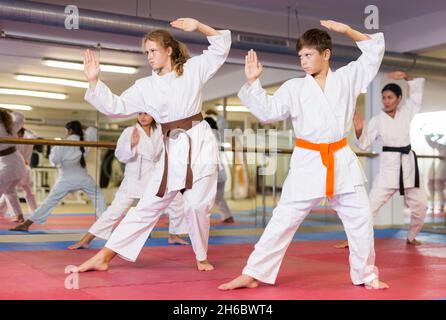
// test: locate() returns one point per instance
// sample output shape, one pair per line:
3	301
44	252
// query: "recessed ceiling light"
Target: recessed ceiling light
58	81
32	93
16	106
80	66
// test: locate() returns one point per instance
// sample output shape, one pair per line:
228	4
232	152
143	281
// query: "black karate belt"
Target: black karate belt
7	151
405	150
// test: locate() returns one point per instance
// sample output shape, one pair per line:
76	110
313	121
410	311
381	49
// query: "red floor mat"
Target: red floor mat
57	222
311	270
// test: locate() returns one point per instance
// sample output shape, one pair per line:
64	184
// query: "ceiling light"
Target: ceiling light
58	81
31	93
16	107
80	66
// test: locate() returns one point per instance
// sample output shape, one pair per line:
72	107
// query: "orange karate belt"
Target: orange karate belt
327	151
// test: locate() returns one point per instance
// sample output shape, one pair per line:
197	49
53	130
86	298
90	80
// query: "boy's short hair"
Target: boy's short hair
314	38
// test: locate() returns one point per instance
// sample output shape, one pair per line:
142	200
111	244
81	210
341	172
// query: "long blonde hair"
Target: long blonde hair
6	119
180	53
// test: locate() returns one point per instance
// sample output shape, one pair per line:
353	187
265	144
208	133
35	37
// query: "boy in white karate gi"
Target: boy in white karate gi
321	107
398	163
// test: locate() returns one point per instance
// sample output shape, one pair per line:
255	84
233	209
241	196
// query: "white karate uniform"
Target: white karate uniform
437	170
395	132
169	98
26	183
318	117
71	177
12	166
91	134
140	162
220	200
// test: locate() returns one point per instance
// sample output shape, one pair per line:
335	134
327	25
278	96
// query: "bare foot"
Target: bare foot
377	285
19	219
176	239
204	266
97	263
83	243
79	245
23	226
242	281
228	220
414	242
341	245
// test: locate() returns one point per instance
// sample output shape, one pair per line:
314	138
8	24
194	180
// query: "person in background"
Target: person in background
220	201
12	165
73	176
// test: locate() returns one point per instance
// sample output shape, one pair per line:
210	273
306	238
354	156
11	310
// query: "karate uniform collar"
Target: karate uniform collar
329	73
141	129
164	76
384	114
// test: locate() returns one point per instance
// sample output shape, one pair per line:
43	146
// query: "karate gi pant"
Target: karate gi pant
64	186
220	201
103	227
354	211
437	186
416	201
26	184
8	189
131	234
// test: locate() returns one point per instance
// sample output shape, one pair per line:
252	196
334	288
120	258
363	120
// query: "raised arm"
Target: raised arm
213	58
416	88
126	145
345	29
101	97
364	135
190	25
263	106
362	71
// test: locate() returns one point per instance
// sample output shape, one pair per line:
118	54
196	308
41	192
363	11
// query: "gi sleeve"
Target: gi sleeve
265	107
208	63
413	102
362	71
124	152
368	135
129	102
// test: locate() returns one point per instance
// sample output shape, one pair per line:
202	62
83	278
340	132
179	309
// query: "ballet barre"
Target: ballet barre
112	145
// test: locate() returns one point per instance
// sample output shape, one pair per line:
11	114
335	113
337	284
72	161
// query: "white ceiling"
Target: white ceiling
350	11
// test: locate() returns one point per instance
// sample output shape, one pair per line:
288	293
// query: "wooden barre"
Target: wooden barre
112	145
54	142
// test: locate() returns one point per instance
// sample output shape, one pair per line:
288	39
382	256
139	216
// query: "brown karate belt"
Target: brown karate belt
167	128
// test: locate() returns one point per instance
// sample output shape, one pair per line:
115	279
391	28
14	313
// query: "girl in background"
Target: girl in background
73	176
